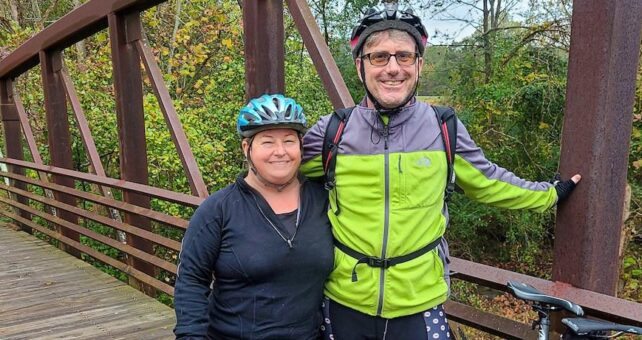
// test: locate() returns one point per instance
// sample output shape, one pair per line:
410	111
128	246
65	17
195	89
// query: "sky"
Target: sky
457	29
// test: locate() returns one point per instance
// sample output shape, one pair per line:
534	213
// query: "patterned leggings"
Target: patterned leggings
341	322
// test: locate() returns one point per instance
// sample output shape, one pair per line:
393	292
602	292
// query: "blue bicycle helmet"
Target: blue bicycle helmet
389	18
270	112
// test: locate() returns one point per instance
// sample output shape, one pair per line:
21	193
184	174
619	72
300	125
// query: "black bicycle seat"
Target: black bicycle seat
582	326
530	293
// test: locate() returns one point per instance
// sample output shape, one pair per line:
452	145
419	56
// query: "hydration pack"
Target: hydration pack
334	131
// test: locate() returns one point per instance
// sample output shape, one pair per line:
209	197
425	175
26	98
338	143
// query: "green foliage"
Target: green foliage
301	79
632	275
435	78
635	156
516	119
494	235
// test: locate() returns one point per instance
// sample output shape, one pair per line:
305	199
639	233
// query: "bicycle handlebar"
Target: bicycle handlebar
582	326
585	328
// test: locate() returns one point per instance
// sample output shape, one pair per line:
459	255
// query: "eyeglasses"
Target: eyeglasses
383	58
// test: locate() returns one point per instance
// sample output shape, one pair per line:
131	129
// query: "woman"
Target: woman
256	253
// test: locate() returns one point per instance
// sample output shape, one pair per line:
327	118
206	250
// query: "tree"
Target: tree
545	21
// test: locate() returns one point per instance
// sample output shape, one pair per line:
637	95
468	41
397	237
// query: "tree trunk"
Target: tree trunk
486	42
325	22
80	46
15	14
177	21
497	15
37	16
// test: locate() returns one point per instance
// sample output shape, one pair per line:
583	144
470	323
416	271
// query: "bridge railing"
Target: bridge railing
49	199
160	261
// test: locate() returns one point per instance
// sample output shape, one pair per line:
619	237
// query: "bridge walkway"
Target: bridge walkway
46	293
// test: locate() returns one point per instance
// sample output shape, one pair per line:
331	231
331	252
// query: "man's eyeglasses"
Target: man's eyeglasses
383	58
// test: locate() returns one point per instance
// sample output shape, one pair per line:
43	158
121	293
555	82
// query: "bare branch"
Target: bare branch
527	39
48	11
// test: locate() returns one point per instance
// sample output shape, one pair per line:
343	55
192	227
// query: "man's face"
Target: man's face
390	84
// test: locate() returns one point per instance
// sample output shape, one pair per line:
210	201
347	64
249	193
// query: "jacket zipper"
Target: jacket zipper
386	220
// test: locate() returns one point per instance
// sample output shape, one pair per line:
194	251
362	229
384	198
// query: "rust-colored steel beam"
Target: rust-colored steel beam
130	229
605	47
162	264
83	125
124	30
595	304
487	322
194	177
12	136
26	128
163	194
323	61
78	24
59	136
31	142
136	274
108	202
88	141
264	47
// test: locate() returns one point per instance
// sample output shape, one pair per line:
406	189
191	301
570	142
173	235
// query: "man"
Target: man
387	209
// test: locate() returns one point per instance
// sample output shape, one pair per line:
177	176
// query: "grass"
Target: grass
438	100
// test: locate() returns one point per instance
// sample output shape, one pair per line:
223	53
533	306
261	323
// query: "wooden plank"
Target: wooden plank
41	297
152	330
148	330
94	321
46	293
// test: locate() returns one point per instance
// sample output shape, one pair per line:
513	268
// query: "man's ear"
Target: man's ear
357	64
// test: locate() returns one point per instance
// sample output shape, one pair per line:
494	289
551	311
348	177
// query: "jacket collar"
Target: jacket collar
396	119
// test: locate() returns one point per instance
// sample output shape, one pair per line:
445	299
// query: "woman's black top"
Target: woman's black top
243	275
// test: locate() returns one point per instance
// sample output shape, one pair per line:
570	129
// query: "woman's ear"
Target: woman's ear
245	145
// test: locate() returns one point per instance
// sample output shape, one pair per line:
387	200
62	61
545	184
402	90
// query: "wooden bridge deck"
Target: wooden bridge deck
46	293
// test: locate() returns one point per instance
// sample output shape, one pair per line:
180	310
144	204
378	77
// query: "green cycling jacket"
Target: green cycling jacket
389	201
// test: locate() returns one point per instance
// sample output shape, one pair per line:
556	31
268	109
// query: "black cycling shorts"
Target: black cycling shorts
341	322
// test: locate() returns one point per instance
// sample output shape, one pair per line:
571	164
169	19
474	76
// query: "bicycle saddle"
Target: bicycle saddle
582	326
530	293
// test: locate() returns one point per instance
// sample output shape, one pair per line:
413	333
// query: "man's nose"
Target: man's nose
393	65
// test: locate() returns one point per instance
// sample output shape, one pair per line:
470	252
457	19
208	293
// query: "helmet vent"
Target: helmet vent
270	112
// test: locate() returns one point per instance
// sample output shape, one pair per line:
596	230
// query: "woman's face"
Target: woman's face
276	154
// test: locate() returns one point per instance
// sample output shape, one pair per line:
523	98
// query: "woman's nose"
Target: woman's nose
280	148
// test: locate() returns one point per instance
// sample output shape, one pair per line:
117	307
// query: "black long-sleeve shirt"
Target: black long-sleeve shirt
263	288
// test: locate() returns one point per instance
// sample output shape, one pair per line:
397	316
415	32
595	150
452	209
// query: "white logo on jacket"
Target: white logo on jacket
423	162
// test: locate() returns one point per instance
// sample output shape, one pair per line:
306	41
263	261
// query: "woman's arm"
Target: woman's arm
199	252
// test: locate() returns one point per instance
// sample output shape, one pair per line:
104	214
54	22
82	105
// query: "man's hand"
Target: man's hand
564	188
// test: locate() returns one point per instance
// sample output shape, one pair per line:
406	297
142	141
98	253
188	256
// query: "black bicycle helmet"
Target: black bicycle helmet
389	18
270	112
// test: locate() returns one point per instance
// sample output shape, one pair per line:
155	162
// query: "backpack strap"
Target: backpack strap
448	123
331	141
